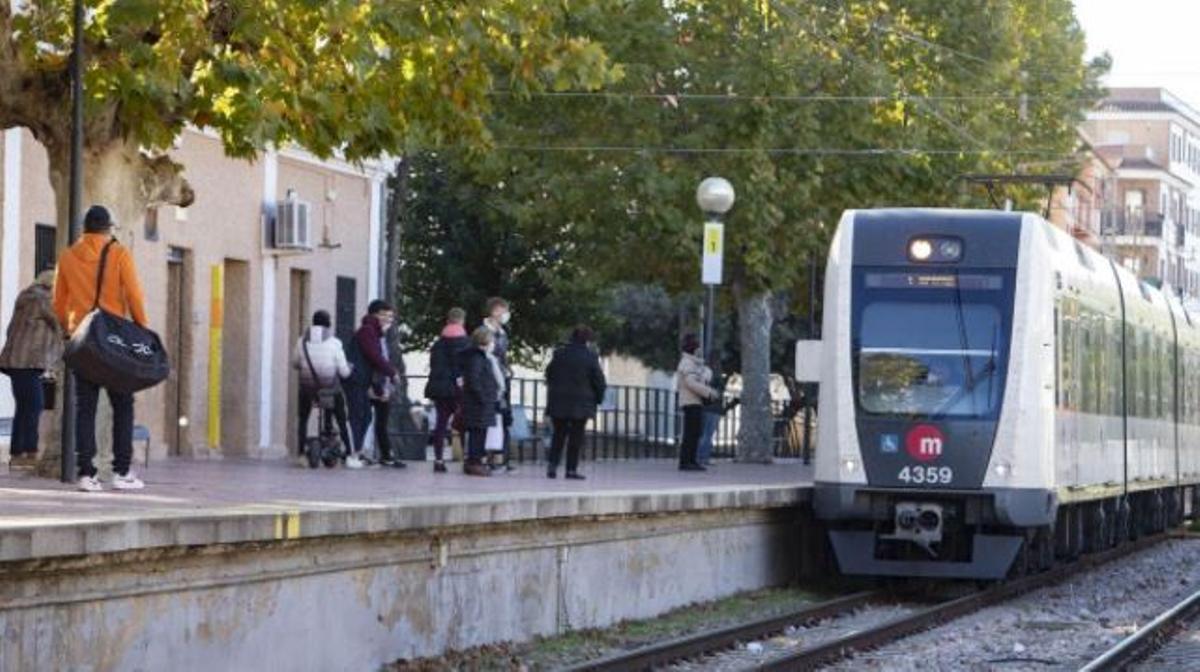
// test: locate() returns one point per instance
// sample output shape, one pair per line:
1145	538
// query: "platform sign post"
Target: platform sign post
711	268
715	197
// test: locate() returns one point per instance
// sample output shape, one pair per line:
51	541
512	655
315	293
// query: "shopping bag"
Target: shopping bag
495	436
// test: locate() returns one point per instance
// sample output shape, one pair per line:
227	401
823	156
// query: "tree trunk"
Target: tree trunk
754	324
126	181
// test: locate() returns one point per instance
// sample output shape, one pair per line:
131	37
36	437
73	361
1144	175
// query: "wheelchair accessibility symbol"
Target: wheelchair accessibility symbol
889	443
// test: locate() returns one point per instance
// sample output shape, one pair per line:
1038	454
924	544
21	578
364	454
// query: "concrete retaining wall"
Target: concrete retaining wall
355	602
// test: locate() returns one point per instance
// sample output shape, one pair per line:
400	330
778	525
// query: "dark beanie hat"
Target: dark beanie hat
321	319
97	219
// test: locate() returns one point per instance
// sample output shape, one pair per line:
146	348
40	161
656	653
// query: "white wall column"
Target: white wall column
266	399
10	250
375	247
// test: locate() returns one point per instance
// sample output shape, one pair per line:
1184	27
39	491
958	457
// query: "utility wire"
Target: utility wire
795	151
732	98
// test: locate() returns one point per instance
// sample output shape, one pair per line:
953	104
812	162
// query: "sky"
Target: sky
1152	42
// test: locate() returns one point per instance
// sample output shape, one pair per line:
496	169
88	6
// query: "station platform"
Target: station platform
218	561
191	502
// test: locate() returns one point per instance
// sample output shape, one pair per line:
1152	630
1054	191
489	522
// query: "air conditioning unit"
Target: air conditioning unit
293	225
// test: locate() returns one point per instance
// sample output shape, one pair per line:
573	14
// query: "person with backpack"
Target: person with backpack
97	271
445	373
321	362
373	381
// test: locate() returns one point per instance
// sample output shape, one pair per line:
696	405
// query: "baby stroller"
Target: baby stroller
326	447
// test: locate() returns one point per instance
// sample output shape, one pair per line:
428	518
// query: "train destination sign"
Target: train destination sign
966	281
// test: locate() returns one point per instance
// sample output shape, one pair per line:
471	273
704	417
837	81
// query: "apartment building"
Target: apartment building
232	389
1151	140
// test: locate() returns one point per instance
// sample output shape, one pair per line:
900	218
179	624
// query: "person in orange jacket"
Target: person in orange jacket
74	297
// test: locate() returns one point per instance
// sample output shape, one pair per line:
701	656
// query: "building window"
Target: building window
43	247
347	295
151	223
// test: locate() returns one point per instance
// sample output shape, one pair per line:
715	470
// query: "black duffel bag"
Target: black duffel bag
113	352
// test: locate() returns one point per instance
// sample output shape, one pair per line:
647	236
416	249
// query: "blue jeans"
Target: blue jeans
27	391
708	431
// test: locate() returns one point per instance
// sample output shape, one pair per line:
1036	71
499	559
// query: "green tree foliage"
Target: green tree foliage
460	245
809	108
339	76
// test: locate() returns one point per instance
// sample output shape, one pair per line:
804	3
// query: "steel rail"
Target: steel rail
1147	639
902	626
690	646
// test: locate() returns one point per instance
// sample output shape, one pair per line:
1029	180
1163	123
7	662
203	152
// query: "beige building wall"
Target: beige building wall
225	226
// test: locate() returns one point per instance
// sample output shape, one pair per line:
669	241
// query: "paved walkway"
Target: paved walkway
233	500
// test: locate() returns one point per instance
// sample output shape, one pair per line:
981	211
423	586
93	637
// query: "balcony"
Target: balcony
1133	222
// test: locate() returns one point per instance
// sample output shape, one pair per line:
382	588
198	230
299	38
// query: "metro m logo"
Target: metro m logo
924	443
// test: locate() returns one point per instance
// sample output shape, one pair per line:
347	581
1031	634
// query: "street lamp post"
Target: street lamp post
67	458
715	197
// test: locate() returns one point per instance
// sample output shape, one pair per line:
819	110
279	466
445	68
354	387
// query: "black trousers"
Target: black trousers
476	444
87	396
568	432
307	399
362	407
27	392
693	424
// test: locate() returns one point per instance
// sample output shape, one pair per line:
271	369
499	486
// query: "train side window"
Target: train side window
1081	254
1058	348
1048	229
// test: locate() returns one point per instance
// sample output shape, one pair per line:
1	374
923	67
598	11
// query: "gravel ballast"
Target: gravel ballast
1057	628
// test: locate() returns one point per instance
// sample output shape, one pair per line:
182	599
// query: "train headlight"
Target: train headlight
850	465
935	250
950	249
1003	469
920	249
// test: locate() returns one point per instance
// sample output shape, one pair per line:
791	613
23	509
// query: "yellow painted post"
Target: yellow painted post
216	323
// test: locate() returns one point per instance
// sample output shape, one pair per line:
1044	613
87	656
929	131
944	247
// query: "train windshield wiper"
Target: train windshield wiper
974	378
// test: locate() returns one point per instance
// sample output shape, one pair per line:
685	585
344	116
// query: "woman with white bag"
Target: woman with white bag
483	392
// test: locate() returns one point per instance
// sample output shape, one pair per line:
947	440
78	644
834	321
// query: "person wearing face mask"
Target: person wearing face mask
370	387
483	389
496	322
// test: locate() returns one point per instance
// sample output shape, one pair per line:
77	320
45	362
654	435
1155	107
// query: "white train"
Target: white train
994	394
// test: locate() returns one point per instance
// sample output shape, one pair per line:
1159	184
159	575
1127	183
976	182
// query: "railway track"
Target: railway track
837	648
1158	635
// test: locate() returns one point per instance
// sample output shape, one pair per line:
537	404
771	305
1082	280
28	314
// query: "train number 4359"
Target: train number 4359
926	475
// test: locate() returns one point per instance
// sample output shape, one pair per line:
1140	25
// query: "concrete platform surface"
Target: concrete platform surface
231	501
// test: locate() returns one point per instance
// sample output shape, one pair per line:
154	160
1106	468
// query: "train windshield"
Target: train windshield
931	344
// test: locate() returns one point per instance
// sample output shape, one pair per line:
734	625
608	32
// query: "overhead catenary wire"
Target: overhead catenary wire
796	151
751	98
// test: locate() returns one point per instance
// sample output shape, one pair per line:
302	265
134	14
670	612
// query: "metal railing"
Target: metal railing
634	422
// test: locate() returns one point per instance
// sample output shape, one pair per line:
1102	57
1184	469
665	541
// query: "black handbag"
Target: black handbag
49	393
113	352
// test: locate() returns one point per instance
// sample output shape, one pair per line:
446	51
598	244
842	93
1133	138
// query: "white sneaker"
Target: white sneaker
90	484
129	481
354	462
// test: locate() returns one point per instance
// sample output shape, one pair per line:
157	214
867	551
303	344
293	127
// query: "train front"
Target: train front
919	317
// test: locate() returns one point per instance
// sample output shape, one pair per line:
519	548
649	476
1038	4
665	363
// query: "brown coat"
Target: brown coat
34	337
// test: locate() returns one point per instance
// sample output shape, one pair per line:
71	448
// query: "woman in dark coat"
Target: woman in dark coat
576	387
483	387
444	373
